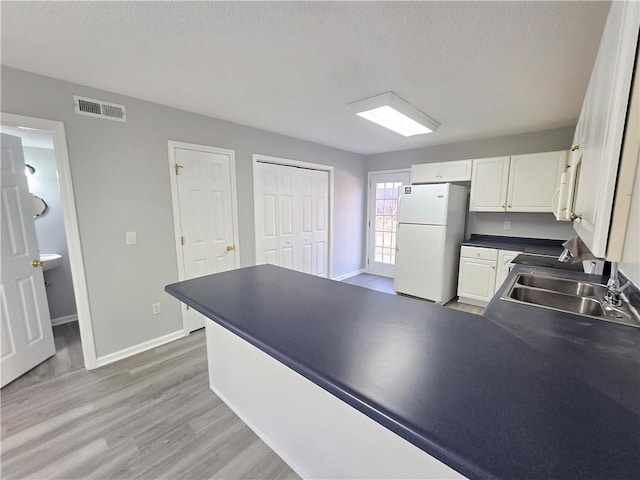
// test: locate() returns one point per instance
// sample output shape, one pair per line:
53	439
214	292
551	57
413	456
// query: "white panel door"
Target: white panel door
489	179
206	216
26	333
313	238
288	217
292	217
277	214
384	188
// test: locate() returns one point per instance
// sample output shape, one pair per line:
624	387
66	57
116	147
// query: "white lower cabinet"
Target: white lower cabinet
482	272
505	257
477	275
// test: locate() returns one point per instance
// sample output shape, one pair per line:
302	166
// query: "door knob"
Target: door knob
230	248
37	263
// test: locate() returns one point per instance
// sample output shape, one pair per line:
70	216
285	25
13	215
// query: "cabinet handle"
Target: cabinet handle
508	206
574	147
493	268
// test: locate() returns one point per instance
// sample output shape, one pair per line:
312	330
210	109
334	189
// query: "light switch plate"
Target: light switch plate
156	308
131	238
507	225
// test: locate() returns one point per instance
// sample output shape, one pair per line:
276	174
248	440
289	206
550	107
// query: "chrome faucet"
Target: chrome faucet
612	297
565	256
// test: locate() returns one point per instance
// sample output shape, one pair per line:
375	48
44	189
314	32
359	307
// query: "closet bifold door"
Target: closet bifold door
313	232
292	211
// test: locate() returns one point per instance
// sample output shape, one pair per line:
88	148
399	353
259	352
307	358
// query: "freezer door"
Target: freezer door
424	204
420	261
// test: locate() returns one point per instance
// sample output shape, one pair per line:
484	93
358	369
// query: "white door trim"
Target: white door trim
71	228
287	162
367	226
175	206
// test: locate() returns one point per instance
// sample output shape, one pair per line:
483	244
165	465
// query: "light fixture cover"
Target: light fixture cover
392	112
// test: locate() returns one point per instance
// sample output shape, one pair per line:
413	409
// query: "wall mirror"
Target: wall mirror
40	207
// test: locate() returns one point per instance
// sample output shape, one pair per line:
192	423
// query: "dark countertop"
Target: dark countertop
538	246
612	364
461	387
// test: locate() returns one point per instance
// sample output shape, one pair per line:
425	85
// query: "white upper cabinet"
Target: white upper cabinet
520	183
425	173
533	179
458	171
601	125
489	182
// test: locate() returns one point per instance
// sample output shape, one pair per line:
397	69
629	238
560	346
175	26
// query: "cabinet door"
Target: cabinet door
459	171
477	279
601	125
505	257
425	173
533	179
489	180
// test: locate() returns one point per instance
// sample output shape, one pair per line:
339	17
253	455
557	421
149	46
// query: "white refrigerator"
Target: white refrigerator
431	222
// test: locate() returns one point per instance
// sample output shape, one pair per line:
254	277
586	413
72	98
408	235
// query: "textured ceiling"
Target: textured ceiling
480	69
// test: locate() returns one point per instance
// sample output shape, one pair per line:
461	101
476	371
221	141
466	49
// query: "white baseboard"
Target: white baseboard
348	275
135	349
67	319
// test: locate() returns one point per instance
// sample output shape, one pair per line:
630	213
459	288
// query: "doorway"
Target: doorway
205	213
54	231
384	187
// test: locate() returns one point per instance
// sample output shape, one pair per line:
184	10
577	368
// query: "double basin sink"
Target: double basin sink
565	295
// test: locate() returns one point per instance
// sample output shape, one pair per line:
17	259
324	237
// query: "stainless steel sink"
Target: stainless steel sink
562	285
565	295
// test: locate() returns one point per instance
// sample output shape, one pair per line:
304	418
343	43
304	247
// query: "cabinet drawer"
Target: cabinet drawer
480	253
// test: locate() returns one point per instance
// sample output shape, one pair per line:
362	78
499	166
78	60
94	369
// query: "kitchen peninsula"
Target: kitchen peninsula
441	393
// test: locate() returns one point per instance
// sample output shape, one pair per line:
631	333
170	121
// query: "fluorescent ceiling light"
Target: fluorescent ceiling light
392	112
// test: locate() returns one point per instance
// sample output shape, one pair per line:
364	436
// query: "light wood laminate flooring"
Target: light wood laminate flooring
68	358
151	416
385	285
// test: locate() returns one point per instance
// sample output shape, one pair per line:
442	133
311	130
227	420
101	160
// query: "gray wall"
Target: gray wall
121	182
50	230
534	225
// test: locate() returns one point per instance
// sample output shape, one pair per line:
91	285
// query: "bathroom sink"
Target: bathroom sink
50	260
566	295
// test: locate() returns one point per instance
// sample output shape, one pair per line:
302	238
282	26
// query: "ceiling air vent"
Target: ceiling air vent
98	108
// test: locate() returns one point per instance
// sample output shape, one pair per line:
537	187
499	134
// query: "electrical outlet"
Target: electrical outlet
507	225
130	238
156	308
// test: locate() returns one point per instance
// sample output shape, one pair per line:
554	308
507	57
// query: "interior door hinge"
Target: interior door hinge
178	167
181	240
